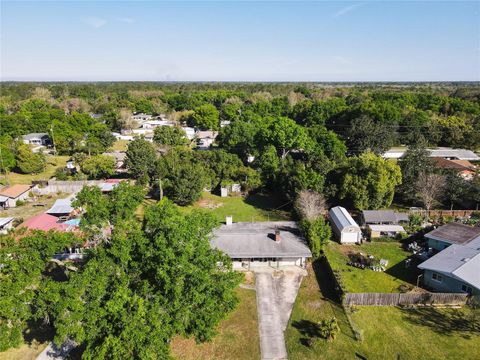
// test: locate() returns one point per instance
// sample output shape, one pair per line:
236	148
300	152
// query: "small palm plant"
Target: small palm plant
329	328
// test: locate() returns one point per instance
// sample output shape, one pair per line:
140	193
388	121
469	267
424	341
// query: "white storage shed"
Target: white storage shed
344	227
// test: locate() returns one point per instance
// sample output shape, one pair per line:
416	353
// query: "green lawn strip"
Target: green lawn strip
367	280
237	336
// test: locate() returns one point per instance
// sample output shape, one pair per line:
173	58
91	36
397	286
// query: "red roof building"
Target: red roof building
46	222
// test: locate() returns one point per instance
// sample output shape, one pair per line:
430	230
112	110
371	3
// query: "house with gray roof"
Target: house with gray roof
344	227
36	139
454	269
453	234
261	244
383	217
441	152
62	207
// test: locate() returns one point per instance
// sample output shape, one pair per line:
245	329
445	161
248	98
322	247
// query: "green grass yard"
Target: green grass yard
388	332
53	162
358	280
256	207
237	337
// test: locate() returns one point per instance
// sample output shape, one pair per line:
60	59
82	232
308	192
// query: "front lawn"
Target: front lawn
367	280
388	332
53	162
237	336
256	207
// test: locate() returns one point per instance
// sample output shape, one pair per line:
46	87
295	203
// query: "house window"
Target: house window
467	289
437	277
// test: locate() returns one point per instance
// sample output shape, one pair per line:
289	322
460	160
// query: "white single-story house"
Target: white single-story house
451	234
6	223
261	244
9	195
454	269
344	227
152	124
189	132
377	231
36	139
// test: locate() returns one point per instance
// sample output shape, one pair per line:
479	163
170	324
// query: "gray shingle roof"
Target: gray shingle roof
454	233
457	261
35	136
61	206
255	240
383	216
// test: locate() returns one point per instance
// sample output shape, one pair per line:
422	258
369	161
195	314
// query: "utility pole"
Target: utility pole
53	140
160	188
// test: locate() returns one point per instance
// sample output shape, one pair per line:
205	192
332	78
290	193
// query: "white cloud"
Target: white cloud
126	20
94	22
346	10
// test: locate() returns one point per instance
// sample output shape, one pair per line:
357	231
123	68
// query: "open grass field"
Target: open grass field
256	207
53	162
119	145
358	280
237	337
388	332
24	352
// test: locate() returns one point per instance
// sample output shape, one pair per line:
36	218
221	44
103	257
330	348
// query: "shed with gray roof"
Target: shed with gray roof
257	244
383	217
343	225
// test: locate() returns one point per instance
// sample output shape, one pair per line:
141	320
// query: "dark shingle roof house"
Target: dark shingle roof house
383	217
455	233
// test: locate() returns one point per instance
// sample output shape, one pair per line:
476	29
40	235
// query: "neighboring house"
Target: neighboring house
189	132
62	207
344	227
261	244
9	195
47	222
152	124
6	224
224	123
463	167
455	269
453	233
36	139
96	116
377	231
141	117
119	136
205	139
120	157
109	185
442	152
383	217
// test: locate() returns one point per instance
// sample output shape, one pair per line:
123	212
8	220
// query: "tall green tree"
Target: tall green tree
366	134
29	162
98	166
368	182
205	117
169	135
140	160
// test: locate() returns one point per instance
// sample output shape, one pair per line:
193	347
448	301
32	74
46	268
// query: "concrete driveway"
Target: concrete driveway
276	293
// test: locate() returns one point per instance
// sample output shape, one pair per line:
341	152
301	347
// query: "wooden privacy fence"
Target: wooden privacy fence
395	299
441	213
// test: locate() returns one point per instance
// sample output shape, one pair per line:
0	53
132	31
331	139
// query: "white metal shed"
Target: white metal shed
344	227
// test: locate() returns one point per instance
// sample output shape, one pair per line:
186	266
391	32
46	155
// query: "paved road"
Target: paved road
276	293
52	352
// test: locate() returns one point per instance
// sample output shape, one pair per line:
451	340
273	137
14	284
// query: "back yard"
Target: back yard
388	332
367	280
255	207
53	162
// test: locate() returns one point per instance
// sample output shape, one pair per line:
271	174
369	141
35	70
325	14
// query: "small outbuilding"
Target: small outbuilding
261	244
377	231
9	195
6	224
383	217
344	227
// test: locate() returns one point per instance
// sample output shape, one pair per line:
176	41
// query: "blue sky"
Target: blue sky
240	40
